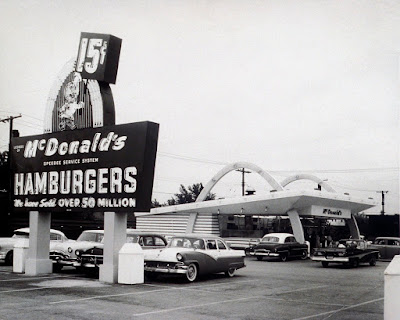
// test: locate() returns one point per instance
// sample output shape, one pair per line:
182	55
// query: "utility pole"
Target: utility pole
243	173
10	119
383	201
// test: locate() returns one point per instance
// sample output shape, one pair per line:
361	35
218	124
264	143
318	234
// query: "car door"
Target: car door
381	246
392	248
214	254
293	247
225	257
56	242
147	242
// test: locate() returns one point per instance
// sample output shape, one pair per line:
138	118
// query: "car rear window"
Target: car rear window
22	235
159	242
270	239
187	242
91	236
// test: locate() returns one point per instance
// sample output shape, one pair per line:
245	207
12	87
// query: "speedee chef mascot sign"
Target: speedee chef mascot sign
84	161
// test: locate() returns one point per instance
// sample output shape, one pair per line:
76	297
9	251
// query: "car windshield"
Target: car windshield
91	236
270	239
185	242
131	238
350	243
21	235
379	241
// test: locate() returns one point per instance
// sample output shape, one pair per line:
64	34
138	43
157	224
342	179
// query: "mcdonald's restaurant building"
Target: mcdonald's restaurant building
307	214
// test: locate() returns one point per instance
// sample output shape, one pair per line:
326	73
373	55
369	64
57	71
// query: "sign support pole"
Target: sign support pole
115	225
38	261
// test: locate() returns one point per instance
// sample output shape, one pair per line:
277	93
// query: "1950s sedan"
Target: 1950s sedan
92	258
192	255
7	244
279	245
66	253
349	252
388	247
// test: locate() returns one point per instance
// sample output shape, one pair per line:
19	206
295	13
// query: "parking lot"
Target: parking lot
292	290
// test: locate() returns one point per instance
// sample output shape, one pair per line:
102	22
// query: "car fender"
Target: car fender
205	262
282	249
365	256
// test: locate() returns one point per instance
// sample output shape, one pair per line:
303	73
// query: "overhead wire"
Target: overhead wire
357	170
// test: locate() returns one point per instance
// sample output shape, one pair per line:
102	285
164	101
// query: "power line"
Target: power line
341	185
358	170
180	157
23	114
10	119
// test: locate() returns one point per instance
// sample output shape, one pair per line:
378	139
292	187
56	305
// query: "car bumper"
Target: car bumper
88	265
90	261
330	259
265	254
176	269
65	262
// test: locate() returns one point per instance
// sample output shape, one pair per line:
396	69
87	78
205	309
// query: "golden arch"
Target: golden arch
234	166
304	176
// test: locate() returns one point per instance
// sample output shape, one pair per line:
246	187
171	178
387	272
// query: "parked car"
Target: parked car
388	247
241	243
349	252
65	253
92	258
193	255
280	246
7	244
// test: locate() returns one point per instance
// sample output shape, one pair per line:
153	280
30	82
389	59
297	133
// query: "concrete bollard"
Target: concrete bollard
392	290
131	264
20	253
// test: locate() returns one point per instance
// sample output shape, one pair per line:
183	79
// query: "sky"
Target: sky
291	86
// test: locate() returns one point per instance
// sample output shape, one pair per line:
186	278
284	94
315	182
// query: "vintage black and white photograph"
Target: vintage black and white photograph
200	159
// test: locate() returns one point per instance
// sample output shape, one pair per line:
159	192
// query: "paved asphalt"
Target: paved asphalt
293	290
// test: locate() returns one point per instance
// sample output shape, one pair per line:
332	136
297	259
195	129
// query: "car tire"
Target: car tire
283	257
372	262
191	273
9	258
151	275
354	263
325	264
230	273
259	258
80	269
304	255
57	267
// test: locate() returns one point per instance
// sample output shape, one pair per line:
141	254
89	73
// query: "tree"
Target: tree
190	194
156	204
185	195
